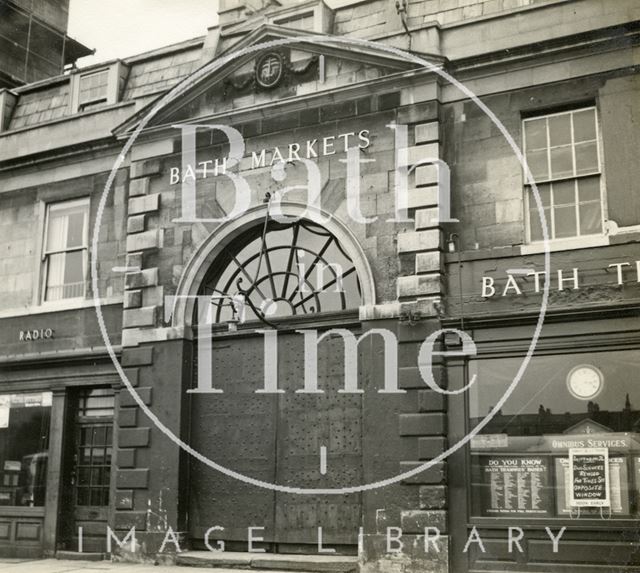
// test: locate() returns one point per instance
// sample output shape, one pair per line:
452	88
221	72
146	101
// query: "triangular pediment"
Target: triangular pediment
273	64
588	426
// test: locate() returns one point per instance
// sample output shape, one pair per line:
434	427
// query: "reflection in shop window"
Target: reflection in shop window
24	445
566	443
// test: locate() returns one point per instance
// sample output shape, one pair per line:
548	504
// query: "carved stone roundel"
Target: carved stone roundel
269	69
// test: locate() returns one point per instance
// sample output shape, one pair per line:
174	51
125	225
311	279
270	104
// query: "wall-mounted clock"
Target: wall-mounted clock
585	382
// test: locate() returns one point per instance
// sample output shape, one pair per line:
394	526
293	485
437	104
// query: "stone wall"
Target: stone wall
487	178
370	19
22	219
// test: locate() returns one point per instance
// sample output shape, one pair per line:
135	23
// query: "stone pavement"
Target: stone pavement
59	566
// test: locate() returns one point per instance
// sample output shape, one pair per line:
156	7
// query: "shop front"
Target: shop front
550	482
56	438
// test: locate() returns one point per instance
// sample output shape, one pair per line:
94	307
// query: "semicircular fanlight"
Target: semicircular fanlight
294	269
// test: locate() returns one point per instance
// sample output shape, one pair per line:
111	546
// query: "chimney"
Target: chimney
234	11
231	12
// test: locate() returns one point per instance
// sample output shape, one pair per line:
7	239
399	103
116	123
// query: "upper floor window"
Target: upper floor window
303	21
563	155
93	89
65	249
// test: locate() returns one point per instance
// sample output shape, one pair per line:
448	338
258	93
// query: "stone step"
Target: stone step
269	562
75	556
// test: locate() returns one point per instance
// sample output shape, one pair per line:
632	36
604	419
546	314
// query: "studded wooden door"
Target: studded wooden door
277	438
307	424
236	429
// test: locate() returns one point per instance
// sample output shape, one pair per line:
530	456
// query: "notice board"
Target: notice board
589	477
514	485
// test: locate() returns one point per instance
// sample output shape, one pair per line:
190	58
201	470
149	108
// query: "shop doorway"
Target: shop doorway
295	439
88	470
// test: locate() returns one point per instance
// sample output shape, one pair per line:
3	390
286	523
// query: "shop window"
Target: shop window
65	250
566	444
562	152
24	446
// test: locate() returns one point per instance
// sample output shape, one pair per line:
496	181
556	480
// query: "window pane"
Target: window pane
85	456
589	189
99	436
74	267
564	193
82	496
83	476
56	232
560	130
586	158
545	196
97	402
98	456
96	476
536	134
562	162
55	277
584	125
538	164
535	224
590	219
24	445
565	222
96	497
75	231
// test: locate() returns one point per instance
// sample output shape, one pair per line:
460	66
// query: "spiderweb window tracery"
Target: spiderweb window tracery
298	269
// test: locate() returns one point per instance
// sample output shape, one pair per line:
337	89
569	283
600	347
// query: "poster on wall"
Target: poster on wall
618	487
5	410
514	485
589	477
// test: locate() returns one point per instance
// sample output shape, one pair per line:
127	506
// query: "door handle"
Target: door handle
74	470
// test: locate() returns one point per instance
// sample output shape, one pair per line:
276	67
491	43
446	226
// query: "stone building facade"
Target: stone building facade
34	41
111	156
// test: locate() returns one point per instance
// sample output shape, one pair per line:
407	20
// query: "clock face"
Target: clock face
585	382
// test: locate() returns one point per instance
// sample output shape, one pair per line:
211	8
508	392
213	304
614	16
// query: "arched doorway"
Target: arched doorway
295	276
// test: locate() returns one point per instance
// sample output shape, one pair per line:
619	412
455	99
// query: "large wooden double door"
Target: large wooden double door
275	438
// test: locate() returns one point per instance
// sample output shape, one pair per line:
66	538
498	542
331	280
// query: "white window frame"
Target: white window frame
103	98
590	240
45	253
115	71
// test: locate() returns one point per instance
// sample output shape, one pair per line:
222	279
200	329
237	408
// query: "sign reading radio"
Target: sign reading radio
35	334
565	280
